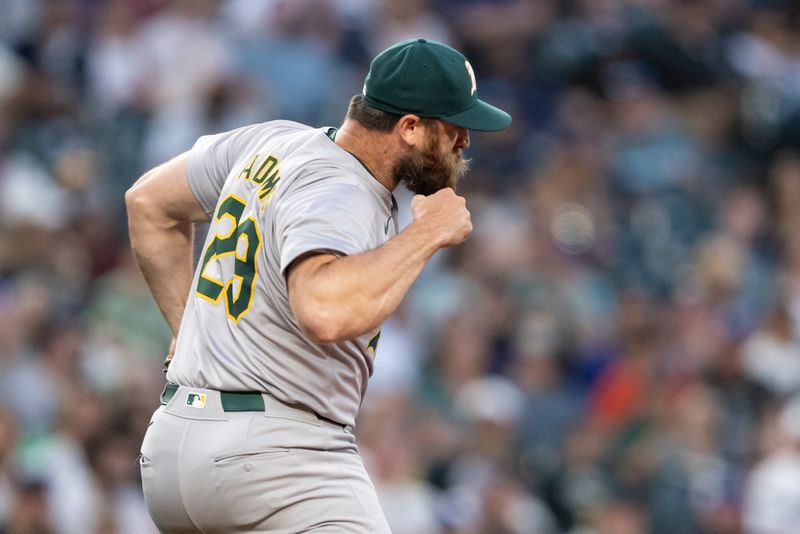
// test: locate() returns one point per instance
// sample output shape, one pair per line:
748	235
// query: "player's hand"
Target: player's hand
445	215
171	353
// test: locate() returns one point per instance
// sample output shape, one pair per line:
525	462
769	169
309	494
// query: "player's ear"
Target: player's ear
411	130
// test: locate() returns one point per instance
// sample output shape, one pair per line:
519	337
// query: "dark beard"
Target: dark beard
429	171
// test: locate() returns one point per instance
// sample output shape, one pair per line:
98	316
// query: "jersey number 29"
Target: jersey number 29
245	271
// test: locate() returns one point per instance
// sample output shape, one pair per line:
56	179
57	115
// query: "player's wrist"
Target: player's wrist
430	236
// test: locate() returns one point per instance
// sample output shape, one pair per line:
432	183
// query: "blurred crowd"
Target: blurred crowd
615	350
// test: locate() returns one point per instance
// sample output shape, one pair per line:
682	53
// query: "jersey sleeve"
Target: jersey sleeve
211	159
337	218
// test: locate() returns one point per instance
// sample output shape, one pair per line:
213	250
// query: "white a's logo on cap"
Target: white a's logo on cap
471	77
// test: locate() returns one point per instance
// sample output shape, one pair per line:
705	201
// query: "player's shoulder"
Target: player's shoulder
287	126
324	176
292	138
279	128
311	162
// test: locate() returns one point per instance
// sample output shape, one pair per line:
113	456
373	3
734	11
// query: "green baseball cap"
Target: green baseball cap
432	80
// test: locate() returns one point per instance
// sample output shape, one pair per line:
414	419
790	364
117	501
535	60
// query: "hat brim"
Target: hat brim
481	116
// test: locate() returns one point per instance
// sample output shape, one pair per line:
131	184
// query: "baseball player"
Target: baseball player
301	265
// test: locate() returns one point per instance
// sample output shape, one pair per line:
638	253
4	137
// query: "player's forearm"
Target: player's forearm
163	250
336	299
353	295
161	210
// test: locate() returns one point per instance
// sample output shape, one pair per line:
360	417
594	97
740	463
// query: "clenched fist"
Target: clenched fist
444	214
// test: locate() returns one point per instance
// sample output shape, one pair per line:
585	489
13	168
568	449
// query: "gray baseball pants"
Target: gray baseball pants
283	470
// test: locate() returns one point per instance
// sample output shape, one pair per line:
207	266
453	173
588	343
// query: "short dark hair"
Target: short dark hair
369	117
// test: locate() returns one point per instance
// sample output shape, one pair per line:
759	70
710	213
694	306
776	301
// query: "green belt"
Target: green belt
232	401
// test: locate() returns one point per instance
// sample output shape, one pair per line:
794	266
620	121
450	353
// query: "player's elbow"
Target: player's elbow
322	325
134	200
137	206
319	312
138	201
147	205
325	309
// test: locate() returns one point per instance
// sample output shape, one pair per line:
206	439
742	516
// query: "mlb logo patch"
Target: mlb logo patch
196	400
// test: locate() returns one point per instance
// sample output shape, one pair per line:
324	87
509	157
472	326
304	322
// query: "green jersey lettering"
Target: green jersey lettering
245	270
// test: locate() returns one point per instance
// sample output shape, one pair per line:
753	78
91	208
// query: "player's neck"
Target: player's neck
373	149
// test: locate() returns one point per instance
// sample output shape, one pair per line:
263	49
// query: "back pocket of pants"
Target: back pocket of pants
253	484
234	458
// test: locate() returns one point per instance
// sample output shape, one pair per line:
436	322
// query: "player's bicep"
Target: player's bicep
301	275
164	193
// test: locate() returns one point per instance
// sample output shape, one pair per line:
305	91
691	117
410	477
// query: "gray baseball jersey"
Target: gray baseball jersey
276	191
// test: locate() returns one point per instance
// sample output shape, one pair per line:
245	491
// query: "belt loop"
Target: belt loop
168	392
